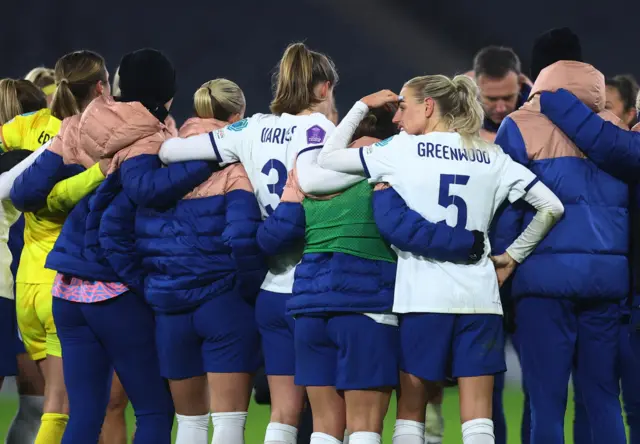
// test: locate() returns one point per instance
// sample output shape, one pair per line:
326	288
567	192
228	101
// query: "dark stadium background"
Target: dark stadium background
375	43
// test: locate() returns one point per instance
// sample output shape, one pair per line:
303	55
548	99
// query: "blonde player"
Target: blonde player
268	146
444	171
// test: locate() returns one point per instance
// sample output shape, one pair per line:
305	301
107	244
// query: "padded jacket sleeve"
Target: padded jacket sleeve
613	149
117	238
31	189
148	184
409	231
242	221
283	229
508	221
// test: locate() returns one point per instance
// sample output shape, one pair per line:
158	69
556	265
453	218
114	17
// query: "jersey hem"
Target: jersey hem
400	310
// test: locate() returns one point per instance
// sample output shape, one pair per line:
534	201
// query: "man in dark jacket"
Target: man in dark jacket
503	87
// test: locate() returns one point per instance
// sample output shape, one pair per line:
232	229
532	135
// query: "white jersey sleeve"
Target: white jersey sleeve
381	159
515	180
223	145
229	142
314	133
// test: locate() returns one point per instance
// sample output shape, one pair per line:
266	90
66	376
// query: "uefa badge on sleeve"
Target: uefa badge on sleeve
315	135
239	125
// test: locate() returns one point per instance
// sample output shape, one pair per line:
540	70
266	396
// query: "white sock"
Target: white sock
228	428
478	431
280	434
26	423
346	437
434	425
323	438
192	429
408	432
365	438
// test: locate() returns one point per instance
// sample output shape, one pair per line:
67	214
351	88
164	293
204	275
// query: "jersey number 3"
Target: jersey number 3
446	198
281	179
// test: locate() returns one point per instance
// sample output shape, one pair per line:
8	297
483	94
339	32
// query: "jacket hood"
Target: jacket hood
581	79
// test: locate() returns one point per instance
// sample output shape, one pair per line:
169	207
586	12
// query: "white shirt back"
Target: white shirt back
267	145
444	181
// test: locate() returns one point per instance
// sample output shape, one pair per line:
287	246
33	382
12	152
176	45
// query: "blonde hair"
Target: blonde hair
219	99
76	76
457	99
41	77
638	102
19	97
299	71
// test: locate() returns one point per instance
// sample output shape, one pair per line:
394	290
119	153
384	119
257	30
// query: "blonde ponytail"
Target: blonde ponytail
469	116
77	75
19	97
300	70
219	99
457	100
64	103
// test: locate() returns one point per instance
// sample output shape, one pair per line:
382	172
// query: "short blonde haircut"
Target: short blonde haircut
219	99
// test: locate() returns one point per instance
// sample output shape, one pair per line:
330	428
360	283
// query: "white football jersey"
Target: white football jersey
443	179
267	146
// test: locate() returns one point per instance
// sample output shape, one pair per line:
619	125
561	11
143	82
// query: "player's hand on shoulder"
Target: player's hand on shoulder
376	100
505	266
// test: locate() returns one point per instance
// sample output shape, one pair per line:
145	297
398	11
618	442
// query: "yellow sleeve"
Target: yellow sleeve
11	135
67	193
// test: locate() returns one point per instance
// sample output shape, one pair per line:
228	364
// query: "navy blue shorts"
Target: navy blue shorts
10	343
435	346
276	330
220	336
348	351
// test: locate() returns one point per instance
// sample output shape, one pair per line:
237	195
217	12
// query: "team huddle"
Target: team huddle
351	258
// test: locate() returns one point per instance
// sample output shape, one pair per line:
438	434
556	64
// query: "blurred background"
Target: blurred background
375	43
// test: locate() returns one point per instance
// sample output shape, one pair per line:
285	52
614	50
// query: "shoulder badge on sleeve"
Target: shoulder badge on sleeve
316	134
239	125
384	142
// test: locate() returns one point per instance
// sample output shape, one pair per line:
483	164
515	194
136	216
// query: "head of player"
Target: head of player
304	83
220	99
80	76
43	78
19	97
622	91
438	103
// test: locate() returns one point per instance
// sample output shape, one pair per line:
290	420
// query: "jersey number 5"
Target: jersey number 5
446	198
281	179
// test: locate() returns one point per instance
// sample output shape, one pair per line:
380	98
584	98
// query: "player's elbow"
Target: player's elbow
555	210
308	185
